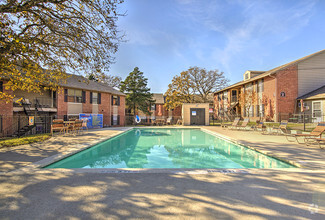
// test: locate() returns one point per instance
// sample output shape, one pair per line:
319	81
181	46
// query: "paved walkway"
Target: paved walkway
256	194
311	157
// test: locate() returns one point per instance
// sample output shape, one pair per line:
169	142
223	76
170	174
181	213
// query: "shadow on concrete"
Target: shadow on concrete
264	194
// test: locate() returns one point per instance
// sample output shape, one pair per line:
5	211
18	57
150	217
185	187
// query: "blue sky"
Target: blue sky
166	37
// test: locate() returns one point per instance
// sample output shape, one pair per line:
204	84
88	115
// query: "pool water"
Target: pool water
168	148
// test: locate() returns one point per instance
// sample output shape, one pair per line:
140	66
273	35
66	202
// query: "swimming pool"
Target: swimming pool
168	148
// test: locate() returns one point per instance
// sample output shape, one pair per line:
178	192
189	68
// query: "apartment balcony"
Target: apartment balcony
40	104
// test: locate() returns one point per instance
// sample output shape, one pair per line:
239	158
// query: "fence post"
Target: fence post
18	125
304	122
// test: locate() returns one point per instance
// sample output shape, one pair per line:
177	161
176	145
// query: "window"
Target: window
115	120
74	95
234	96
95	98
262	110
153	107
317	111
115	100
257	111
251	111
260	86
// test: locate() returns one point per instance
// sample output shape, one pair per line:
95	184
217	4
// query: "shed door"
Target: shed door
197	116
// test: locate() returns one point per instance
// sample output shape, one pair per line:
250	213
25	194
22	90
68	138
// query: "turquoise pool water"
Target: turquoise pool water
168	148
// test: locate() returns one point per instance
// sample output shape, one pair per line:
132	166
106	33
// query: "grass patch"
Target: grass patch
24	140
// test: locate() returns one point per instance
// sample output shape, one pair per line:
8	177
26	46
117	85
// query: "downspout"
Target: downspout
275	97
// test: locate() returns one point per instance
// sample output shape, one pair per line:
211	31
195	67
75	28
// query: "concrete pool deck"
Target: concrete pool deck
258	193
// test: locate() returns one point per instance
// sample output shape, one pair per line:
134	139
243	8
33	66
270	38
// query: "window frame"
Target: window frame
70	96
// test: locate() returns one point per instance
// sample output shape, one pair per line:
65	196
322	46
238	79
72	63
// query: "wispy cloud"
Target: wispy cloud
249	24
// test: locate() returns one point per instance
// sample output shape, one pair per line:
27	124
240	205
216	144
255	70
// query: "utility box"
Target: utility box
195	113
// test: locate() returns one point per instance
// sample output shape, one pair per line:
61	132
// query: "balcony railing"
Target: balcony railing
39	102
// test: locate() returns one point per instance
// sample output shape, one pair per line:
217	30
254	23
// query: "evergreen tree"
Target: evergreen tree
138	96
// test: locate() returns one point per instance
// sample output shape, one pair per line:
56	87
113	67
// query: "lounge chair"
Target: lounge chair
58	125
244	124
259	126
319	141
282	129
316	133
234	123
169	121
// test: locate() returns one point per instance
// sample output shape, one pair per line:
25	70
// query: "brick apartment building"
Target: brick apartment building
78	95
275	94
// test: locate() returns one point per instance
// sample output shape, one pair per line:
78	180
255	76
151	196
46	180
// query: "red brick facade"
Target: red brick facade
87	107
280	91
62	106
104	108
287	85
6	107
121	110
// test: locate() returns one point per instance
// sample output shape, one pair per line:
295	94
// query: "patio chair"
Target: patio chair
281	129
77	128
316	133
169	121
234	123
84	124
58	125
244	124
179	122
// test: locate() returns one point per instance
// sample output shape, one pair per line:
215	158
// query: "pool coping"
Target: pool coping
37	166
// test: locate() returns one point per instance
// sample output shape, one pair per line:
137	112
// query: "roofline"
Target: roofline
273	71
71	87
300	97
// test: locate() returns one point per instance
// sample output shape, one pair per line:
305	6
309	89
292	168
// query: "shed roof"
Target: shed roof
272	71
316	94
80	82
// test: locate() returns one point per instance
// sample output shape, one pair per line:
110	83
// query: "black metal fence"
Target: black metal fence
17	126
152	121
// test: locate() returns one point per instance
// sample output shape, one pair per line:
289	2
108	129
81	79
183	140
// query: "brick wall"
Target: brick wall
269	97
6	111
121	110
6	107
87	107
104	108
62	106
287	83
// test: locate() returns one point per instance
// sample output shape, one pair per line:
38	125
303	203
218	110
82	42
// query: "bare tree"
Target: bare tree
194	85
206	82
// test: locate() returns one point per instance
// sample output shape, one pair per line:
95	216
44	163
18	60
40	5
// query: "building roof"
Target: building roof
80	82
159	97
272	71
316	94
